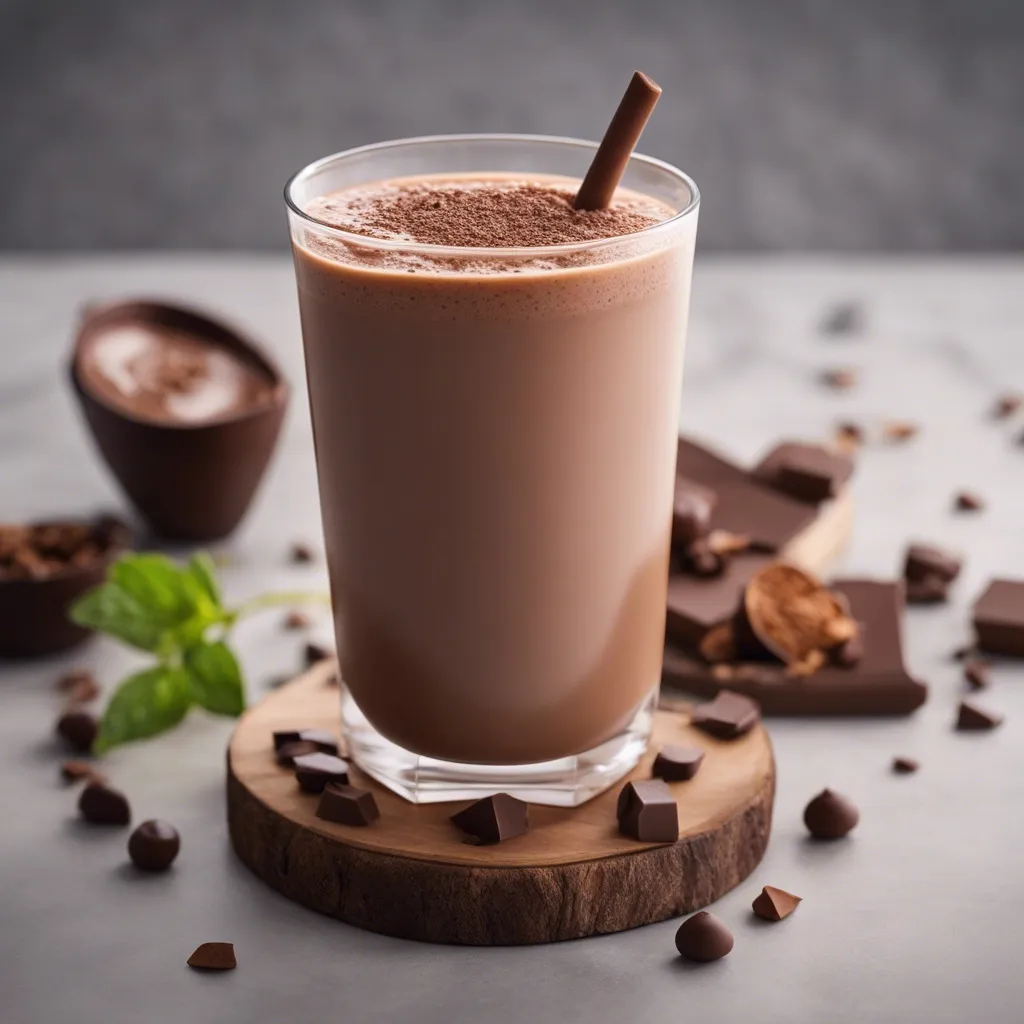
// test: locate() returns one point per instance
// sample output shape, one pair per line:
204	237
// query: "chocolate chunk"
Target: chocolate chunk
728	716
925	560
302	553
495	818
77	771
788	614
78	729
286	754
841	379
775	904
897	431
101	805
691	511
904	765
1006	406
676	763
214	956
647	811
296	620
703	938
324	740
968	501
746	506
998	617
317	652
154	845
971	718
807	472
930	590
878	684
830	815
843	318
347	805
976	674
314	771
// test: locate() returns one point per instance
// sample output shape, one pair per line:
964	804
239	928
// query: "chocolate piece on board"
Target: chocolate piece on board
807	472
878	684
347	805
998	617
647	811
494	818
314	771
326	742
728	715
676	763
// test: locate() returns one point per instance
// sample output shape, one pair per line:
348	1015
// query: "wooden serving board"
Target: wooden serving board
413	874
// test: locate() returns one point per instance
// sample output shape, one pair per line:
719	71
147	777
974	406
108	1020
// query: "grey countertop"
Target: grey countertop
919	916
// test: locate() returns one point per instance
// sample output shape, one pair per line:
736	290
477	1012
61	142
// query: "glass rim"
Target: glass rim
483	252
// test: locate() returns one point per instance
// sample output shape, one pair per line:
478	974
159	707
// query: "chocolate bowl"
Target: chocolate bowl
34	610
192	481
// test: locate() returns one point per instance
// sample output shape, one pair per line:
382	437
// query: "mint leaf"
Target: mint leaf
111	610
204	572
216	678
169	595
144	705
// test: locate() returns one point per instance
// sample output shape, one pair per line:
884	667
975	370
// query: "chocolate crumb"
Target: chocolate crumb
76	770
296	620
968	501
976	674
904	765
1007	405
841	379
316	652
301	553
849	437
897	431
843	318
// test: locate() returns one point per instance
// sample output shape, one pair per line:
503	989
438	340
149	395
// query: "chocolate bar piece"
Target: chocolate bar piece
998	618
493	819
806	472
314	771
647	811
878	684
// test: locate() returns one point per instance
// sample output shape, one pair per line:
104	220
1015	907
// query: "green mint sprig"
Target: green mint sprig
177	614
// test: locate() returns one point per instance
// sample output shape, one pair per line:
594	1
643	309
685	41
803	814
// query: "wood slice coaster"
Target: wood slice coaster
413	874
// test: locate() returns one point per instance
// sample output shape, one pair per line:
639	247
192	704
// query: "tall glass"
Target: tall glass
495	435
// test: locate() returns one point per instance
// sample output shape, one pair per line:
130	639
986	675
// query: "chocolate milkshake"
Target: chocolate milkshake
494	380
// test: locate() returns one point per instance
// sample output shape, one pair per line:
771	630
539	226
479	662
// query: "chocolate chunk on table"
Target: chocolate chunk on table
972	718
647	811
78	729
830	815
314	771
675	763
745	505
775	904
101	805
924	561
998	617
904	765
703	938
154	845
494	818
878	684
727	715
214	956
347	805
807	472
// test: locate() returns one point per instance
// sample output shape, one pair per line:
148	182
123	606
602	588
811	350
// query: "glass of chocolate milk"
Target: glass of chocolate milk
494	381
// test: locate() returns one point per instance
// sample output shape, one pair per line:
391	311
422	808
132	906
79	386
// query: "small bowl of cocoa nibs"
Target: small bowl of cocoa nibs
44	568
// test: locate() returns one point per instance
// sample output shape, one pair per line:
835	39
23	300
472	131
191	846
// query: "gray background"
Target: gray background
810	124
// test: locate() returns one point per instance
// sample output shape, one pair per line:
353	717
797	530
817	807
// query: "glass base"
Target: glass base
567	782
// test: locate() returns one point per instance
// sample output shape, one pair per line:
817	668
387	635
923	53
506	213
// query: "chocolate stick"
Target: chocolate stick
617	145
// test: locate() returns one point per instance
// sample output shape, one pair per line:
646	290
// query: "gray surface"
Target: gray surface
851	124
918	917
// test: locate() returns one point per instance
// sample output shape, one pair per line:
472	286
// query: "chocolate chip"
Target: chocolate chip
101	805
830	815
924	560
676	763
214	956
691	511
971	718
842	379
286	754
314	771
968	501
976	674
775	904
494	818
77	771
322	739
728	716
317	652
347	805
647	811
154	845
296	620
703	938
930	590
1006	406
302	553
897	431
78	729
904	765
843	318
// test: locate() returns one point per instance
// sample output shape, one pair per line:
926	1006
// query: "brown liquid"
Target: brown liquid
496	450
